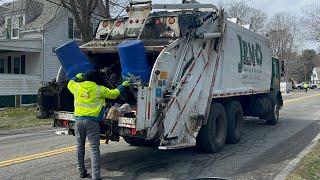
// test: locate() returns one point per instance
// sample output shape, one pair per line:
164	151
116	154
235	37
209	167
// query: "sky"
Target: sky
270	7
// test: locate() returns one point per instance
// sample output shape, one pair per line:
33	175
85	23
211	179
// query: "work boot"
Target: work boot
85	174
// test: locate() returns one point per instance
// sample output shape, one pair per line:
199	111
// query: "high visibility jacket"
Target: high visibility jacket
89	98
305	85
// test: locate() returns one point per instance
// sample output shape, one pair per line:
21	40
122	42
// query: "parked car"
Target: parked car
310	85
299	85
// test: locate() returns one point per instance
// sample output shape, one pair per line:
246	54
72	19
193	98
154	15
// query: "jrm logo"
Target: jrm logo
250	54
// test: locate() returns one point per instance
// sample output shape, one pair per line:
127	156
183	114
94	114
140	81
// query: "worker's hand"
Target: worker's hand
126	83
79	77
123	86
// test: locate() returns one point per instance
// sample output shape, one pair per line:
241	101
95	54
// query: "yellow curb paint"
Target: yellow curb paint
39	155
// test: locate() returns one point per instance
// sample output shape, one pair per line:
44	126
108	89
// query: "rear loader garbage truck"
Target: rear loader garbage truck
195	76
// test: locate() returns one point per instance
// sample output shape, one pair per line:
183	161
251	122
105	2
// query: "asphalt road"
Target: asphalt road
262	152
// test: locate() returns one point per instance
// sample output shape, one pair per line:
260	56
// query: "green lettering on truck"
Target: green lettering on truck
250	54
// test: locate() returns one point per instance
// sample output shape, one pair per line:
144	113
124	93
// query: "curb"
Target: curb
294	163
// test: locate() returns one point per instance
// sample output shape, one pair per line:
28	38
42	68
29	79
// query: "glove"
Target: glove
78	77
126	83
122	87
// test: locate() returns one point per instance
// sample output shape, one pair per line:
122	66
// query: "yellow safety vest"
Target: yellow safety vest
305	85
89	98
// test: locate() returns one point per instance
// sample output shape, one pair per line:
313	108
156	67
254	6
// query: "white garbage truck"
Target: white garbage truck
207	73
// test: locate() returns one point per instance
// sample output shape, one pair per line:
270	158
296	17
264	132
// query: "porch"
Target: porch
20	71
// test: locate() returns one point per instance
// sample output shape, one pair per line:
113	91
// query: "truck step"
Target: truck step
177	146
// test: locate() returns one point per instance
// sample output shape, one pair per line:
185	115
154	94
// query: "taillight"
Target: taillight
133	132
158	21
105	24
118	23
65	123
172	20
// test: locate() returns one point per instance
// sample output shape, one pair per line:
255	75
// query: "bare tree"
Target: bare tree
82	11
247	14
282	30
312	21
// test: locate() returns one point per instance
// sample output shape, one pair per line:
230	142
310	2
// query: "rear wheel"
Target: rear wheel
213	135
235	121
140	142
272	117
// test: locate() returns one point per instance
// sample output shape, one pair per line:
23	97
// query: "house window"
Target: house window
13	26
16	65
8	28
23	64
73	30
1	65
70	28
9	64
19	65
17	24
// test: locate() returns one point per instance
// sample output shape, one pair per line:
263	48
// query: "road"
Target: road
262	152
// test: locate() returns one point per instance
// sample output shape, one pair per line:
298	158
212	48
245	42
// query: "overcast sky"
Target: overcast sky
270	7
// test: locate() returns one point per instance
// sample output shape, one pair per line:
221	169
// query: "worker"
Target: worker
305	86
89	108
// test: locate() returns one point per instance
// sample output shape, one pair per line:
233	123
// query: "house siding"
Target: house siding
56	34
16	84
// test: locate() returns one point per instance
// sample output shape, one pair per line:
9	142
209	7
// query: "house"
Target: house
30	30
315	76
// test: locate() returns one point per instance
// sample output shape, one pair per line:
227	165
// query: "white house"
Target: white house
315	76
30	30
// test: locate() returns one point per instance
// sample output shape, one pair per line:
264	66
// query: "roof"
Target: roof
48	13
42	11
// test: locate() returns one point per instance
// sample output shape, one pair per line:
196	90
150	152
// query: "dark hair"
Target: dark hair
91	76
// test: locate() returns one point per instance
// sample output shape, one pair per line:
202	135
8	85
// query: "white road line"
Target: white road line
291	166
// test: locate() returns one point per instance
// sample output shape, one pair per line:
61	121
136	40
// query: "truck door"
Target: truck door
275	80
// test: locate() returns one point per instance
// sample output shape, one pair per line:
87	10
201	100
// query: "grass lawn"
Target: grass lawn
22	117
309	167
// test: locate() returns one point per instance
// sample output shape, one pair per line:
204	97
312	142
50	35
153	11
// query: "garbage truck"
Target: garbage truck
204	76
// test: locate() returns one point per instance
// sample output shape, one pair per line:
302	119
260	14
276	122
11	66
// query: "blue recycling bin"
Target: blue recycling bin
133	59
72	59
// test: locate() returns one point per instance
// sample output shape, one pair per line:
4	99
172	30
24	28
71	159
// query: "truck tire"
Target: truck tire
272	117
213	135
235	121
140	142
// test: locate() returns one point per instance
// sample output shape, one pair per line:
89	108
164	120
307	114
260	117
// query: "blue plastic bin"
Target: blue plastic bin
133	60
72	59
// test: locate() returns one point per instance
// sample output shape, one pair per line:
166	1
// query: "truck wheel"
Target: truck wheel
272	117
213	135
140	142
235	121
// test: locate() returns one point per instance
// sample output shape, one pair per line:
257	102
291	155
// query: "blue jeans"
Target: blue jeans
91	130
